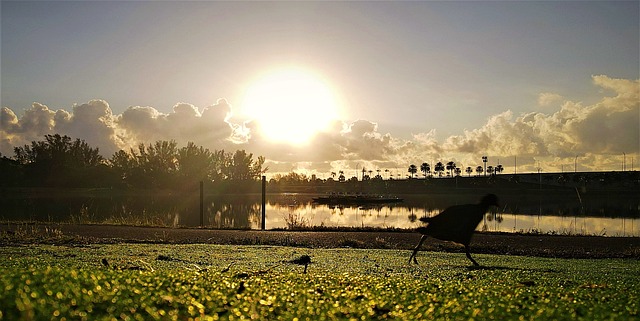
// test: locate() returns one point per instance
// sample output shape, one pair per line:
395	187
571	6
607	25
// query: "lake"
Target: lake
591	215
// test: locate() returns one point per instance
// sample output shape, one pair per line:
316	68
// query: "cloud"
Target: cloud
209	128
15	131
608	127
597	133
361	140
93	122
548	99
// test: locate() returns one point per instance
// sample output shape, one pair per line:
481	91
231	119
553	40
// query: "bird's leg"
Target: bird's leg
466	247
415	250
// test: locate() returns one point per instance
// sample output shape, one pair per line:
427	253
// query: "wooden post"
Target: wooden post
201	203
264	202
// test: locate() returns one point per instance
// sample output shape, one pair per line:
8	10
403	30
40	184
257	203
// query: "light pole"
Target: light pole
484	160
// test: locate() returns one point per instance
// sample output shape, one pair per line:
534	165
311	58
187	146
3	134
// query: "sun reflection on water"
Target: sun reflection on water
406	218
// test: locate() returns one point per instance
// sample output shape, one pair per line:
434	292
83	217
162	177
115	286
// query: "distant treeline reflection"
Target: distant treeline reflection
242	211
222	211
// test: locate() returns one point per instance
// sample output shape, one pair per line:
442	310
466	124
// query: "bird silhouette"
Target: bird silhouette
303	260
456	223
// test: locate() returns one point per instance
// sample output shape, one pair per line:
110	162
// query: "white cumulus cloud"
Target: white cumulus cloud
596	133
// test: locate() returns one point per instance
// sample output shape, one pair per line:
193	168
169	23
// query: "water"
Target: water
402	217
596	215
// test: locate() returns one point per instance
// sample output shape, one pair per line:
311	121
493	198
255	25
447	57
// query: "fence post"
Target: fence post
264	197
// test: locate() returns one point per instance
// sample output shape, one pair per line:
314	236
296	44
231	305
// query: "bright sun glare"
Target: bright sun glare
290	105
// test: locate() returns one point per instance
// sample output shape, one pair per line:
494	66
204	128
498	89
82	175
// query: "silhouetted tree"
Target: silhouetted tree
163	165
291	178
439	168
450	167
155	164
61	162
413	169
123	165
469	170
11	172
425	168
195	164
241	166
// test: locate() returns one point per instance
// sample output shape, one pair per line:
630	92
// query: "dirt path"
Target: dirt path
509	244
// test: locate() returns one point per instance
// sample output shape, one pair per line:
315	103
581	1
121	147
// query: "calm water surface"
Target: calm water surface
602	215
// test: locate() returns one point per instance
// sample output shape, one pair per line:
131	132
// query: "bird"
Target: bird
456	223
303	260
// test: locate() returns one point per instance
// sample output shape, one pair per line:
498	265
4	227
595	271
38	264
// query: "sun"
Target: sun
290	105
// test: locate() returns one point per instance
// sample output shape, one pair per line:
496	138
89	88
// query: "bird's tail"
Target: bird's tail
425	219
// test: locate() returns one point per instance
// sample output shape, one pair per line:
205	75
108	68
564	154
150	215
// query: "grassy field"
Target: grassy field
197	281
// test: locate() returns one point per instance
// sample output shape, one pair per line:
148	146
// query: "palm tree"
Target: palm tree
490	170
425	168
450	167
439	168
479	170
387	171
499	169
469	170
413	169
341	178
457	171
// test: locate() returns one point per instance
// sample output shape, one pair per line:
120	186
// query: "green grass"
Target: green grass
182	282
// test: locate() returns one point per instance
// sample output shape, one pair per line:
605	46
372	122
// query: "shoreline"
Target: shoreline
539	245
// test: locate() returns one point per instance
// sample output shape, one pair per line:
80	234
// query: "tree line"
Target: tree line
60	161
451	169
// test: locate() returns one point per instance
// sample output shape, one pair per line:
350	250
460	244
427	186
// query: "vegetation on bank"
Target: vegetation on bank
217	282
60	162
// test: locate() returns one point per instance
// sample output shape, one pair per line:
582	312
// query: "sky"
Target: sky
320	87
